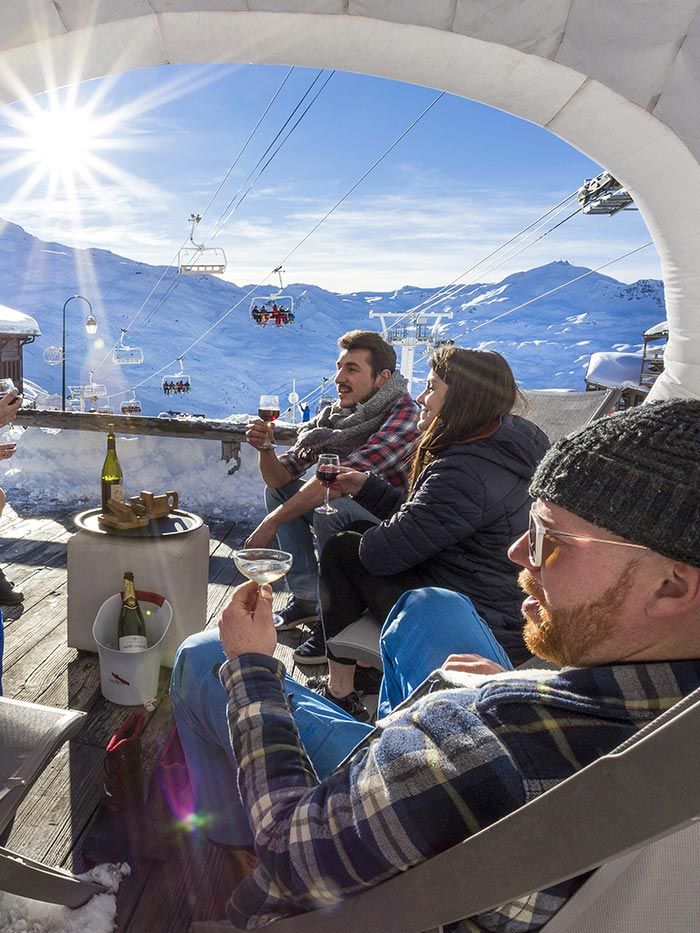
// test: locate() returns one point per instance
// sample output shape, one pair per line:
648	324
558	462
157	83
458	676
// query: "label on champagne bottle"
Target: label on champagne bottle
133	643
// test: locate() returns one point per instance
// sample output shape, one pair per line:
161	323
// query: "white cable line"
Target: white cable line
547	293
245	144
203	214
277	150
450	291
219	223
291	253
362	177
441	293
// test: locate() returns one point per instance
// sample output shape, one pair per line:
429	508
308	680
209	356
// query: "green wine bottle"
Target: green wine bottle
112	476
132	628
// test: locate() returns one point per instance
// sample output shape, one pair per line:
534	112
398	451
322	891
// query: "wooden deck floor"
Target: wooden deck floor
39	667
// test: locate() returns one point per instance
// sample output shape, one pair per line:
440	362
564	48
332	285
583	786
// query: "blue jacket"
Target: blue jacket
468	506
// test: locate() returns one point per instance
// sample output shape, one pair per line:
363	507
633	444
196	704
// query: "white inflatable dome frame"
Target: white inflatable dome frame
620	81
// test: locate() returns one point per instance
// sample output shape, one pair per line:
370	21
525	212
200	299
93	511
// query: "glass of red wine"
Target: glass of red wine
268	411
327	470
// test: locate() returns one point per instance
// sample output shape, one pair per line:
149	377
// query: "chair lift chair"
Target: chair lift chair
616	815
30	736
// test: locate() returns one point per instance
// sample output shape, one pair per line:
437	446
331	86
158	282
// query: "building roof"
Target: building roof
658	330
16	322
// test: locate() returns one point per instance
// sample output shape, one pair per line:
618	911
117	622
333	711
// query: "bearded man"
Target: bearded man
611	566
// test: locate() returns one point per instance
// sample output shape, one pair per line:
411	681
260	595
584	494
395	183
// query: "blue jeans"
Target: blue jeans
422	629
296	536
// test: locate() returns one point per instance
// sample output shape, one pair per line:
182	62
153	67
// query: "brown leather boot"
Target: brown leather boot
115	828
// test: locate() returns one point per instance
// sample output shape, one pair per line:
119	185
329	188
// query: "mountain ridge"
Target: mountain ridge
547	342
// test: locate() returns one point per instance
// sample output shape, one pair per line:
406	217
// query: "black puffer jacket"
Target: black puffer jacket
468	506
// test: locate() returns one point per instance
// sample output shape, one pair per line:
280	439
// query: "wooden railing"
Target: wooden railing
230	435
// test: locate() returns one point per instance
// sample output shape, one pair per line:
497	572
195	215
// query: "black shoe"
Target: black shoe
295	613
313	650
367	680
351	703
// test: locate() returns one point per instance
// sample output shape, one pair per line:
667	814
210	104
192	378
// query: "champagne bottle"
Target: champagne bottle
132	628
112	476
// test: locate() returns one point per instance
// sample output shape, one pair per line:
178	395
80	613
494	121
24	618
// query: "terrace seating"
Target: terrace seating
30	735
632	815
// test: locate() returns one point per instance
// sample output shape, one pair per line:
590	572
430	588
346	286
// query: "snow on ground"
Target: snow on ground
23	915
62	469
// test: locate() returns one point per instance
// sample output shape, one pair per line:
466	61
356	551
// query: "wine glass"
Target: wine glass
327	470
262	565
6	385
268	411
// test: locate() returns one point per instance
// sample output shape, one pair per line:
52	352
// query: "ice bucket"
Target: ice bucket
126	677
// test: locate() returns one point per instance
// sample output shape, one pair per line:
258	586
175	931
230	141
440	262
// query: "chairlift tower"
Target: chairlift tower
423	329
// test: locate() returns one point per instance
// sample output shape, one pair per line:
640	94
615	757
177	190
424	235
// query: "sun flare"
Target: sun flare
61	140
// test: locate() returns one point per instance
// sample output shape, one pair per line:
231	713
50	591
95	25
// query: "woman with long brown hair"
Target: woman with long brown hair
467	502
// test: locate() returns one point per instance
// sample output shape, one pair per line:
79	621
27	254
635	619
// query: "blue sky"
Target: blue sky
462	182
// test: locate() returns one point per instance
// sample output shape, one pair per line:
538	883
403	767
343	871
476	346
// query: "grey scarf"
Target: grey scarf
337	430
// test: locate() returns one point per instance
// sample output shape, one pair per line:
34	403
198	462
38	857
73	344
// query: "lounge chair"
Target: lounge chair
618	813
30	735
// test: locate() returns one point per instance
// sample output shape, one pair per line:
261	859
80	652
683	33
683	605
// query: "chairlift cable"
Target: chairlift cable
550	291
218	225
262	170
363	176
435	299
442	294
203	214
291	253
231	207
245	144
453	288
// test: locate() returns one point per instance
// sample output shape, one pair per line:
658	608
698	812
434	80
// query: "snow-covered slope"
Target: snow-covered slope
547	343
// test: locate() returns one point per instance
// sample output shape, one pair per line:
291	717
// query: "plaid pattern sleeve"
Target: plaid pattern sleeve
387	452
378	813
296	463
441	767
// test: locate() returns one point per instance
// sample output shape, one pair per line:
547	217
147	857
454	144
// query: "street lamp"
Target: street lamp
90	329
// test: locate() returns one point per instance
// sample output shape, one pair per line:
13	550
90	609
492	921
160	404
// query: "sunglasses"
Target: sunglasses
537	532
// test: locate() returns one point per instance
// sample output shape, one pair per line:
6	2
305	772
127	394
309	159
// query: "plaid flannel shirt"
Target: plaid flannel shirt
387	452
468	751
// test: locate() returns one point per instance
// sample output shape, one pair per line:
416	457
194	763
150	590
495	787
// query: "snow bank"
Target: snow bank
22	915
54	468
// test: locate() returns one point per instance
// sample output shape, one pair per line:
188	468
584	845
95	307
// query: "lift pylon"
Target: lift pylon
423	329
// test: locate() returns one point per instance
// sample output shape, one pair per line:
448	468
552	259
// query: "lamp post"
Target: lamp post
90	329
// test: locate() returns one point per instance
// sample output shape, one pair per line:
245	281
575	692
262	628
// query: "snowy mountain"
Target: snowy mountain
547	343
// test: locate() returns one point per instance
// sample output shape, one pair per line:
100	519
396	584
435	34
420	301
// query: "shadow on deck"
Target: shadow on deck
40	667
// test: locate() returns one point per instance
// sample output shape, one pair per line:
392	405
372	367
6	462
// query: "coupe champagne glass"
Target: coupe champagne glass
269	411
262	565
327	470
6	385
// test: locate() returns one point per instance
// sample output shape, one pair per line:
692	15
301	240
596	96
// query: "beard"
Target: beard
568	636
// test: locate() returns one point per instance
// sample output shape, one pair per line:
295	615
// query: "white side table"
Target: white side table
176	566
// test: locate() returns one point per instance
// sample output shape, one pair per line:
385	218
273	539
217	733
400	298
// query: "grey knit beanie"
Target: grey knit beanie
635	473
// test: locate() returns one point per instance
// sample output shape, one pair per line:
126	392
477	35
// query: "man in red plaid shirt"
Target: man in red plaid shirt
372	427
